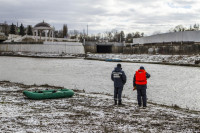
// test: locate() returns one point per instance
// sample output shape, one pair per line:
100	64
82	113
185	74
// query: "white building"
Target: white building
184	36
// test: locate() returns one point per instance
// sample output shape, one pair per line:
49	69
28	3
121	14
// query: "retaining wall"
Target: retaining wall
164	48
92	46
76	48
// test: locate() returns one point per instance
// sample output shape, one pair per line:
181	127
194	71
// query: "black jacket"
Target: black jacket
119	77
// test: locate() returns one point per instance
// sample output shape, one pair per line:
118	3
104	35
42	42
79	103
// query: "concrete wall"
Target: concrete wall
182	48
92	46
185	36
91	49
46	48
117	49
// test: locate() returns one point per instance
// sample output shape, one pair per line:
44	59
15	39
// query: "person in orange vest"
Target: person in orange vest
140	84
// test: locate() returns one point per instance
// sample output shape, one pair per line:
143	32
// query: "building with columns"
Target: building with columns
43	29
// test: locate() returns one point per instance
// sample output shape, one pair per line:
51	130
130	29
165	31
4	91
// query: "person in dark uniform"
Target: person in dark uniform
119	78
140	84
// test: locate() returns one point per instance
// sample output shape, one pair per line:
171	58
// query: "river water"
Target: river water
169	85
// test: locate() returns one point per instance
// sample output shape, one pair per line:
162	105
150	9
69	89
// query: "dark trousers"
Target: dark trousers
141	95
118	93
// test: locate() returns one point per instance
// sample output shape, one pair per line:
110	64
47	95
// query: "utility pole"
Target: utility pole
87	32
83	36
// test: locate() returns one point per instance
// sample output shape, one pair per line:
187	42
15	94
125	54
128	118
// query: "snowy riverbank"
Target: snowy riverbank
41	55
184	60
87	112
190	60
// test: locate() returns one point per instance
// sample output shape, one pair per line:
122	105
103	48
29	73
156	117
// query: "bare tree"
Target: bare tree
156	32
129	38
178	28
109	35
137	35
196	27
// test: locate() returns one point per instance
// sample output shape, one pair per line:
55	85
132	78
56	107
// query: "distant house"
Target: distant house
4	28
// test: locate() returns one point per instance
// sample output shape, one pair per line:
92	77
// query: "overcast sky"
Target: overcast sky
148	16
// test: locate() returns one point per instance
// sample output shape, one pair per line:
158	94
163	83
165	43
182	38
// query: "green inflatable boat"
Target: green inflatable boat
49	94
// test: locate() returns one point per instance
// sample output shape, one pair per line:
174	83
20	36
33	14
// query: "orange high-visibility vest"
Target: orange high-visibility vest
140	77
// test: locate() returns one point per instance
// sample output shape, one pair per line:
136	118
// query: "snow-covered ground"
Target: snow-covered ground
171	59
143	58
41	55
169	85
87	112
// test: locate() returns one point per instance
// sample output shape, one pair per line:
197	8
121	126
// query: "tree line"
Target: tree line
179	28
110	36
21	30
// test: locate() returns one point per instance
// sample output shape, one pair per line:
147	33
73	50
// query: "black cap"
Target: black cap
142	67
119	65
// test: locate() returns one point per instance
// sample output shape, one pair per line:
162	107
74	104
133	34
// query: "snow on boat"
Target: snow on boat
49	94
113	60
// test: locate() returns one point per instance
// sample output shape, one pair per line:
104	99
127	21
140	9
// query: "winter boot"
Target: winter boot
120	103
115	102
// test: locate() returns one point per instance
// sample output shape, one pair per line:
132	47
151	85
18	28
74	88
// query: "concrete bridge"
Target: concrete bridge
104	47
